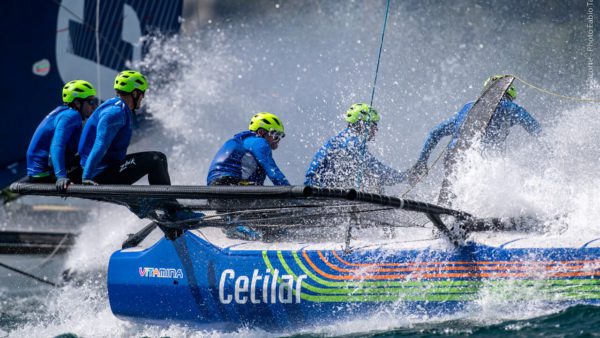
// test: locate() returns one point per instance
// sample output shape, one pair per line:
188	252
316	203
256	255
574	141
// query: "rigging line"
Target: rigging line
433	164
227	209
88	26
52	254
98	82
98	49
8	267
304	215
279	209
291	216
554	94
387	10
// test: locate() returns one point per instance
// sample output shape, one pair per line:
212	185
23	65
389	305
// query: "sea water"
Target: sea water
307	65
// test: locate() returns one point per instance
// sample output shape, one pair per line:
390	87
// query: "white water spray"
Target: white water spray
308	68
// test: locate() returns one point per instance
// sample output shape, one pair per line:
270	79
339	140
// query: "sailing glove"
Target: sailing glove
62	184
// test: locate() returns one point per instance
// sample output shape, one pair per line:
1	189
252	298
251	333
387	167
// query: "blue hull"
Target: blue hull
191	281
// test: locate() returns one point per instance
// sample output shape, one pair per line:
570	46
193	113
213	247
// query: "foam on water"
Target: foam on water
84	311
106	230
308	67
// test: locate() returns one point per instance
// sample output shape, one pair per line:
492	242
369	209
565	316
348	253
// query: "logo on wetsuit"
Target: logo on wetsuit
127	164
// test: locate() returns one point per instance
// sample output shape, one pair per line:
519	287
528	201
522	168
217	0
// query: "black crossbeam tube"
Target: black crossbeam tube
123	193
164	191
128	195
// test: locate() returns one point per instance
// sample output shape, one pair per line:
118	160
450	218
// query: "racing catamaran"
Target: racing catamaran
319	262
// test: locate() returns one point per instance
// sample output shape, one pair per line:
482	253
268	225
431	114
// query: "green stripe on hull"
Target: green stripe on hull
384	288
437	291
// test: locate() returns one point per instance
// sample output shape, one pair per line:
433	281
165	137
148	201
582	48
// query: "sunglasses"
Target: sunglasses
92	102
276	135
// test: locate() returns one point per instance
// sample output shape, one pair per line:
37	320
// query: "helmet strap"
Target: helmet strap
362	129
135	99
262	134
358	126
77	105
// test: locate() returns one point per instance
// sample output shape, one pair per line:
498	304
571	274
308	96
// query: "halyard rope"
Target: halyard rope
387	10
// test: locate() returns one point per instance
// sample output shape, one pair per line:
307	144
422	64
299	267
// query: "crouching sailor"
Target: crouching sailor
344	155
51	156
247	159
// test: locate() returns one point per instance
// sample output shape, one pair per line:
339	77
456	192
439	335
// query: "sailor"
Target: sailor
506	115
337	163
51	156
247	158
107	134
104	142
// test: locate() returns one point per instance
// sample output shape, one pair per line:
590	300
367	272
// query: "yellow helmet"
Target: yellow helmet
130	80
266	121
511	91
77	89
362	112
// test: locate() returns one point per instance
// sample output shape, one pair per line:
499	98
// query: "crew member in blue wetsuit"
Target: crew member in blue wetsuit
506	115
107	134
247	158
51	156
345	161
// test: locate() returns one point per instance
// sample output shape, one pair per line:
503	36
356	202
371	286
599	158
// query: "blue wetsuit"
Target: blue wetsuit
507	114
105	137
245	158
54	144
338	162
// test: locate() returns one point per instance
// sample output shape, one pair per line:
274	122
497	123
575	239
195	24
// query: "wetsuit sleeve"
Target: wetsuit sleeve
317	162
262	153
386	175
528	122
443	129
108	126
65	126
